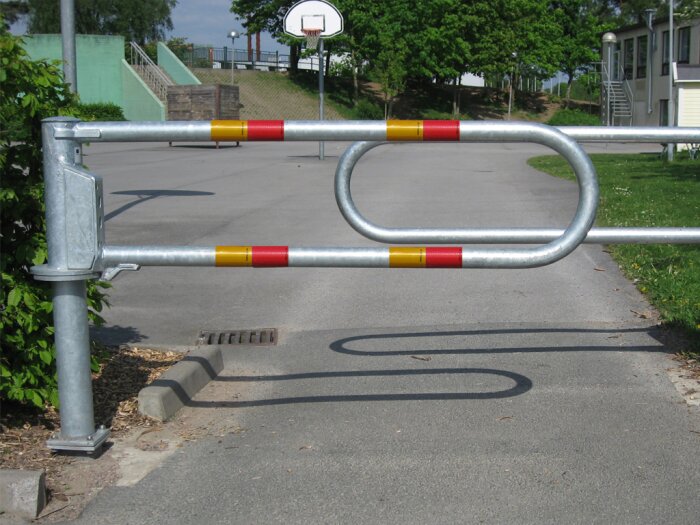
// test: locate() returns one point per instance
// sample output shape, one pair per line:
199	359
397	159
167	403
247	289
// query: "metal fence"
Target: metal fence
226	57
76	238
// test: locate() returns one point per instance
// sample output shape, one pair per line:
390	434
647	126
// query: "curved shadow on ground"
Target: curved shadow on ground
341	345
522	385
149	195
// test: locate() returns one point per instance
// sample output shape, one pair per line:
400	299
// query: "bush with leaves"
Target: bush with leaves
30	91
103	111
573	117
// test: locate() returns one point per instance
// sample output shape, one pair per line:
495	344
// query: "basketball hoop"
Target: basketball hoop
312	37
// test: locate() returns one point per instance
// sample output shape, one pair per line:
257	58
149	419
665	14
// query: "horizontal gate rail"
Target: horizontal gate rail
350	131
76	238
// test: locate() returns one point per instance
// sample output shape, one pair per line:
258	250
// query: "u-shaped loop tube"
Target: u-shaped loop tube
548	253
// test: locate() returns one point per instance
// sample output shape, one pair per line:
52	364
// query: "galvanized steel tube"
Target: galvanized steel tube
57	153
73	359
373	130
68	41
486	258
370	257
158	255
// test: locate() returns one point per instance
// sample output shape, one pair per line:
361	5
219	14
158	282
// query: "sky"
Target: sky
210	21
205	22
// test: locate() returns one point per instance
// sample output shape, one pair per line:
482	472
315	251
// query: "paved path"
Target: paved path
394	396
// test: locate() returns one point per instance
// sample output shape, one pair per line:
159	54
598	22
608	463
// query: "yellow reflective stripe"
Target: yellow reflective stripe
234	256
404	130
406	257
229	130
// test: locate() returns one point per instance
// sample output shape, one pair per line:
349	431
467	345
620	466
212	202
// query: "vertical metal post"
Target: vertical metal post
320	93
68	37
73	359
608	102
651	40
671	105
69	301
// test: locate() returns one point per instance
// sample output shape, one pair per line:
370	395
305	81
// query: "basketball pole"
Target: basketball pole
320	92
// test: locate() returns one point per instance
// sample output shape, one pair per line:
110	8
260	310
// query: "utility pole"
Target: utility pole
671	108
70	75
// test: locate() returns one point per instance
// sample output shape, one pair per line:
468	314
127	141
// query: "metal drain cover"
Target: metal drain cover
258	337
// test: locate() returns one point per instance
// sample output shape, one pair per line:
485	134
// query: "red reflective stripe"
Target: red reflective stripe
442	257
270	256
266	130
441	130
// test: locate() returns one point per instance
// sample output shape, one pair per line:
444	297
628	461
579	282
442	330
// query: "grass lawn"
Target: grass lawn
644	190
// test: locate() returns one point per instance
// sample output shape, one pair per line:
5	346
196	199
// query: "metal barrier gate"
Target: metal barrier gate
77	251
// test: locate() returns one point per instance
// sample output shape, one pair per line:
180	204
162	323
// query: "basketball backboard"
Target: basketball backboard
310	15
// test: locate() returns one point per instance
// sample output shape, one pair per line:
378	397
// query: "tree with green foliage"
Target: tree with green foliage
512	33
137	20
389	68
31	91
580	38
12	10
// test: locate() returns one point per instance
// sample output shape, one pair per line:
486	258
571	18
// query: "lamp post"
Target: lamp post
651	44
609	41
232	35
671	108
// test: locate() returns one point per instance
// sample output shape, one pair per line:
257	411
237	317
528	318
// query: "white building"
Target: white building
637	74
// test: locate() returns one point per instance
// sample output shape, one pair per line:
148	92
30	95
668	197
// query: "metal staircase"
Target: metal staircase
617	99
154	77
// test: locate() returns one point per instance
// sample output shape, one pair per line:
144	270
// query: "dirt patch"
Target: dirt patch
73	479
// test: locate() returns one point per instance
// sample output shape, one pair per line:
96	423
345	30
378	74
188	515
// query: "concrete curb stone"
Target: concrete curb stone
22	492
176	387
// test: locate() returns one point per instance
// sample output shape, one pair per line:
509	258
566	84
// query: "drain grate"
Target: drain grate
259	337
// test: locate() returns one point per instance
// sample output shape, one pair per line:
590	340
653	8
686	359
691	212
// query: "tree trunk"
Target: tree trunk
294	58
567	98
456	93
355	80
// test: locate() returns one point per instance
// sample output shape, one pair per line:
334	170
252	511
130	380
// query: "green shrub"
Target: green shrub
573	117
367	110
102	111
31	91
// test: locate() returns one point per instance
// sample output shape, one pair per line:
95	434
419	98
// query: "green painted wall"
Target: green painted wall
174	67
140	103
99	63
103	74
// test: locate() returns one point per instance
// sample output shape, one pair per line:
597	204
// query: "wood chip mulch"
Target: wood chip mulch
123	373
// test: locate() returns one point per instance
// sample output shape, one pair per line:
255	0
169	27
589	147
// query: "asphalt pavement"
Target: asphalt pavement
394	396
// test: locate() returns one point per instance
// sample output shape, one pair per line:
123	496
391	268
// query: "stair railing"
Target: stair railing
149	71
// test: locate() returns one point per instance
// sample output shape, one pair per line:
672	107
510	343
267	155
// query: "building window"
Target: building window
642	57
684	45
628	58
664	54
663	112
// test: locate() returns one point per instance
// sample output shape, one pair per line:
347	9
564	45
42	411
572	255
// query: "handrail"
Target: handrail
154	76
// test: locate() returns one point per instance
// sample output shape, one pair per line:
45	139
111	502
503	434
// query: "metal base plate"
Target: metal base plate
89	444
